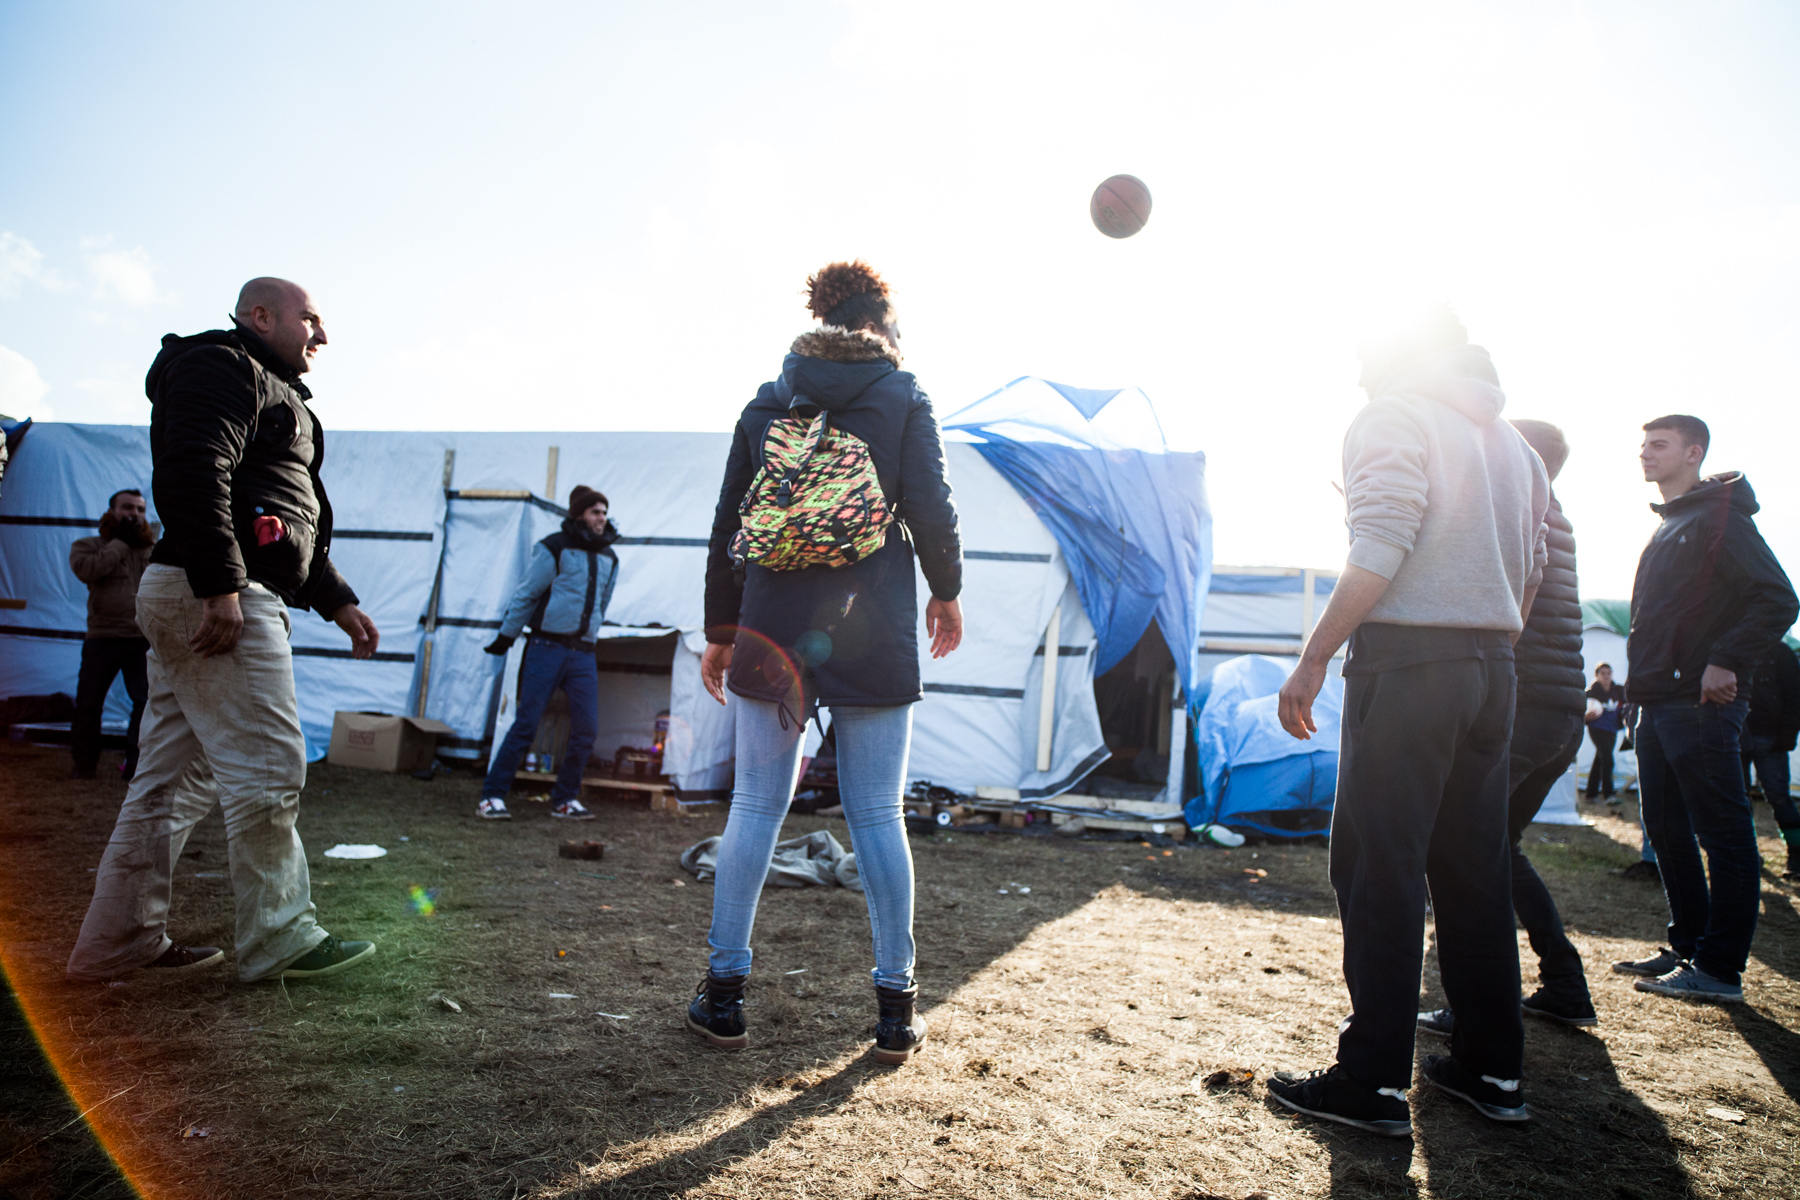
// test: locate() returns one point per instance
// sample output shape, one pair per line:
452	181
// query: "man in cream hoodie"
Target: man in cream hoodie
1447	546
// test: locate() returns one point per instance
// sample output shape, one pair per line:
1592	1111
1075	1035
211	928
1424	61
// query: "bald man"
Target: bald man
235	454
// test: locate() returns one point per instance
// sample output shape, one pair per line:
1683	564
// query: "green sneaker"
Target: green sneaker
328	958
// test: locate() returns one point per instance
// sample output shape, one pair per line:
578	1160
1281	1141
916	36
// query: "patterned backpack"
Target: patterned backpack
815	500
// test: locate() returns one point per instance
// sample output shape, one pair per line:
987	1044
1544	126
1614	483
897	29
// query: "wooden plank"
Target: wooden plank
1047	696
603	781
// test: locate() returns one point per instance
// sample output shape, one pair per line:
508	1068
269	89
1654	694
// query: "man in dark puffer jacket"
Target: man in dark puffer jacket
1547	732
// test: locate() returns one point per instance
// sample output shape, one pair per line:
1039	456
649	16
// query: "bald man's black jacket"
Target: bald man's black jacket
232	440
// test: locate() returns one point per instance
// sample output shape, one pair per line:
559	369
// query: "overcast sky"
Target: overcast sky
591	217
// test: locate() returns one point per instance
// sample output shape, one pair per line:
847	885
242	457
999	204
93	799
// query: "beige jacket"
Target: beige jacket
1447	501
111	569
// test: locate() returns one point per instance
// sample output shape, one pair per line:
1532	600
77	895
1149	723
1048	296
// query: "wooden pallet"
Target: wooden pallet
661	795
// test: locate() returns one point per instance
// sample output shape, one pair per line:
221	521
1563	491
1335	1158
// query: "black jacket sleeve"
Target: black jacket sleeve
1787	688
925	501
326	590
1770	606
208	405
724	594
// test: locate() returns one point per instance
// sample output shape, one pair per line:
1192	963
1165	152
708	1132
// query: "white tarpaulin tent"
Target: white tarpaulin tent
433	531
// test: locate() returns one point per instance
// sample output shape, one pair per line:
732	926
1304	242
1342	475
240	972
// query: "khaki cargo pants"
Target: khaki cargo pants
217	731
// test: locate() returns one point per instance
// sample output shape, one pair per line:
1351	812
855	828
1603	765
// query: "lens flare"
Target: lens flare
423	901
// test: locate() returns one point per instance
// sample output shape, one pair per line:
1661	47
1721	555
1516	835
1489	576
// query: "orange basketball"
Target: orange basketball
1120	206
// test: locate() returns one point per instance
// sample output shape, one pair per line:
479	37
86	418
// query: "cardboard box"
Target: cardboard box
379	742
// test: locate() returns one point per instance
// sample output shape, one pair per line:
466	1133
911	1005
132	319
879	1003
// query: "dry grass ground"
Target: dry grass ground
1074	1026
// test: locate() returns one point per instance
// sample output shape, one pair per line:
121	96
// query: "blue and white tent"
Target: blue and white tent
433	531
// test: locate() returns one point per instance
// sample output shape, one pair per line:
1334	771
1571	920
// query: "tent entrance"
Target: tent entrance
1136	718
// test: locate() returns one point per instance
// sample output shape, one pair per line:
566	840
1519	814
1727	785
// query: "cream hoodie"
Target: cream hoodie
1446	500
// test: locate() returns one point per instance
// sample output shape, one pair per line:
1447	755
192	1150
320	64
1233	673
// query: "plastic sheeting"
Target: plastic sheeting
1129	513
1250	766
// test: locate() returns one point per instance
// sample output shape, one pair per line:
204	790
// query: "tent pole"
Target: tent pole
1307	600
437	590
1047	701
550	475
1178	740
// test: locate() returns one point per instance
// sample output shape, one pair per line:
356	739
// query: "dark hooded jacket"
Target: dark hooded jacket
838	635
1708	592
1775	698
232	440
1548	654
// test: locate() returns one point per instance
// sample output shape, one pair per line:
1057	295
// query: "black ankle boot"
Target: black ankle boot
1793	867
900	1031
717	1013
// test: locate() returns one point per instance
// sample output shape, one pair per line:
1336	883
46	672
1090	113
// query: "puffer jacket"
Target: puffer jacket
1548	654
571	575
232	440
838	635
1708	591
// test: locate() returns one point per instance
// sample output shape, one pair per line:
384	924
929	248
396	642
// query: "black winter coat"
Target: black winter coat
838	635
1775	697
231	440
1548	654
1708	591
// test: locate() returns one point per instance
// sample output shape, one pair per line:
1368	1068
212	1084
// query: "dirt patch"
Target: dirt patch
1090	1037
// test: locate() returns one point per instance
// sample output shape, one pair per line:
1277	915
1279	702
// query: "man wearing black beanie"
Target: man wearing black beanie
563	598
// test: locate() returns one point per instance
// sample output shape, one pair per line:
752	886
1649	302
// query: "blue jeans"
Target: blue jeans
548	666
872	748
1691	794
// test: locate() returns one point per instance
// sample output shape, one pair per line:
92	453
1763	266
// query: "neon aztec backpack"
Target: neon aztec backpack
815	501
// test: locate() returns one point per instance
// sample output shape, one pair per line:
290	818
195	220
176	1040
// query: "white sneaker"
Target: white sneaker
572	810
492	808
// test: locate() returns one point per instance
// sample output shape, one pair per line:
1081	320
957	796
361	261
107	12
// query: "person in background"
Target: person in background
1546	736
811	598
1446	518
1603	730
1769	737
568	584
111	565
236	453
1709	603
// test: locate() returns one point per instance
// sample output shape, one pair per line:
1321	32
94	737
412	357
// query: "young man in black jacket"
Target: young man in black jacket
246	536
1708	603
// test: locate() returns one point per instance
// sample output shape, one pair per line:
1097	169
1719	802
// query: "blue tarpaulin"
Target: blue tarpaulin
1253	773
1128	512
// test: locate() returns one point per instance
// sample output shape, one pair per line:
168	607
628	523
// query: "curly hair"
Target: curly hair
849	294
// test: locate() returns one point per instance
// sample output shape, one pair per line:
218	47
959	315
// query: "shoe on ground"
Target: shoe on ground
1688	982
1331	1095
492	808
1793	864
899	1031
185	958
1495	1099
1563	1011
1660	963
717	1013
572	810
1440	1021
1642	871
328	958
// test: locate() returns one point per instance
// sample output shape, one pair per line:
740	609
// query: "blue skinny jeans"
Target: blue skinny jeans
872	748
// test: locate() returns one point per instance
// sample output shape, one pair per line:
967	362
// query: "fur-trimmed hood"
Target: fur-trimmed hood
834	343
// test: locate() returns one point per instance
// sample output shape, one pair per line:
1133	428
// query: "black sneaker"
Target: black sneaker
1497	1100
717	1013
1642	871
1660	963
1332	1095
183	958
328	958
1554	1008
1440	1021
1793	863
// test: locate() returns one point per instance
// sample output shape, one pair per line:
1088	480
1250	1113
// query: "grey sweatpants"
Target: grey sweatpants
217	731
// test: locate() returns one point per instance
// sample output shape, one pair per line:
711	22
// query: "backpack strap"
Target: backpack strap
784	494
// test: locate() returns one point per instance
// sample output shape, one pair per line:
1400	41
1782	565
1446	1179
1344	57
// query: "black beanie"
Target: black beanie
582	497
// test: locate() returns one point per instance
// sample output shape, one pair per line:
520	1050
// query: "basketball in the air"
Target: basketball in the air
1120	206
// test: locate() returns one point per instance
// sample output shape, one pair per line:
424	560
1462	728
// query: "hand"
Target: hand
1717	685
713	665
500	645
944	622
364	637
1297	696
221	625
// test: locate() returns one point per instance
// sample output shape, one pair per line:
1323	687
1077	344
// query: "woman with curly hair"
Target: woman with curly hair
834	483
